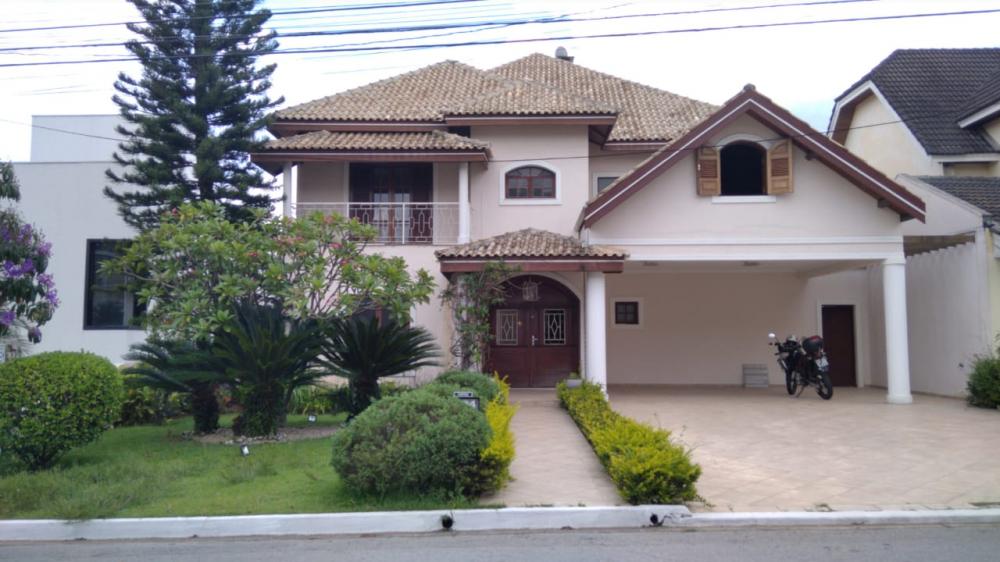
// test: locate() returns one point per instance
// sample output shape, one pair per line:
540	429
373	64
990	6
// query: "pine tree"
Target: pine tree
194	114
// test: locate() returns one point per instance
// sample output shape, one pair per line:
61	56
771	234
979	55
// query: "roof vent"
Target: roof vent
563	54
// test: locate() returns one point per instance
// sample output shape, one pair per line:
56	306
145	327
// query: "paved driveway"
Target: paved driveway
761	450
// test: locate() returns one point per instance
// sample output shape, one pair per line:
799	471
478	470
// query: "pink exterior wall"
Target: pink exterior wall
699	328
563	149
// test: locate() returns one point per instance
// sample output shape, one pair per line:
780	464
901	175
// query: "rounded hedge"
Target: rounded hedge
483	385
416	442
52	402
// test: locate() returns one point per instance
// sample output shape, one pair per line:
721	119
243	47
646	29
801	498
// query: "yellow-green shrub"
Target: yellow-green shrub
644	464
493	470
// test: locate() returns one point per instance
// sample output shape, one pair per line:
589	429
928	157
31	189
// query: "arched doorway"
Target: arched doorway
535	333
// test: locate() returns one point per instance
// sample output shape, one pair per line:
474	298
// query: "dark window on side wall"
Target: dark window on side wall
743	169
627	313
107	304
604	181
530	182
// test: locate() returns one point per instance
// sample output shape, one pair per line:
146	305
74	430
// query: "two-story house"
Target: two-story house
658	238
930	118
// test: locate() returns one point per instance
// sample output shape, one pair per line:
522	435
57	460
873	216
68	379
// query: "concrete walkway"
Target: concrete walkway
554	464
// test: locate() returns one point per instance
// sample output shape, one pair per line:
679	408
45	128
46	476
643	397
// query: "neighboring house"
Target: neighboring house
931	119
659	239
61	194
932	112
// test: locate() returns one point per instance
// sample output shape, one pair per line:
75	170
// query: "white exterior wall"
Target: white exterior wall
65	201
50	144
826	217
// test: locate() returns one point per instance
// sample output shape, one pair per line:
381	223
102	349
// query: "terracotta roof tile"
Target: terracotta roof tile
646	113
529	243
414	96
521	97
532	85
330	140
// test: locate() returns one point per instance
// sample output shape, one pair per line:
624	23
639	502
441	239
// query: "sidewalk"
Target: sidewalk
554	464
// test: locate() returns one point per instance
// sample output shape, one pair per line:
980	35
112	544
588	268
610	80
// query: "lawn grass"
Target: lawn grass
151	471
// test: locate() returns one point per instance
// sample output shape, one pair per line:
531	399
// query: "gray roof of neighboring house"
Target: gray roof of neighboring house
932	89
987	95
984	193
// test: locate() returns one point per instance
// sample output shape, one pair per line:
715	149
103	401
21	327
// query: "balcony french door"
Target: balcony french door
400	200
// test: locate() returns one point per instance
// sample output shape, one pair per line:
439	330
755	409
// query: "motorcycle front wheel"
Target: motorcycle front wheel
824	386
791	383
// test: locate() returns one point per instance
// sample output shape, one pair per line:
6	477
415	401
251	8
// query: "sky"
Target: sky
802	67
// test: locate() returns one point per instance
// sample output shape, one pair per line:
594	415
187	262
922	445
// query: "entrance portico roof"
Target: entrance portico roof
530	250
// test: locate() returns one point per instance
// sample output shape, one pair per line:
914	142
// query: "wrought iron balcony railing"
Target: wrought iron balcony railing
398	223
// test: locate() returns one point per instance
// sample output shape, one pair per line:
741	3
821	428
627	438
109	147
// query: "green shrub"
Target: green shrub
52	402
142	406
493	471
984	382
315	400
644	464
485	387
415	443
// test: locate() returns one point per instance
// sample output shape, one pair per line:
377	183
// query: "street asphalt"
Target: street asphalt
966	543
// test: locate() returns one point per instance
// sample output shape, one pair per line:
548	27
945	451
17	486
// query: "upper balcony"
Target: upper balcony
397	223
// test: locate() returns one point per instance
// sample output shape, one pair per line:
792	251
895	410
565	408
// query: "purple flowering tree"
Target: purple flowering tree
28	295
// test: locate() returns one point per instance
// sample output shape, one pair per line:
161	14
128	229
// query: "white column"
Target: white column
596	366
288	189
897	351
464	230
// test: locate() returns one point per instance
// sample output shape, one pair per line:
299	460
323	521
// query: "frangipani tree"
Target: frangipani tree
197	265
28	295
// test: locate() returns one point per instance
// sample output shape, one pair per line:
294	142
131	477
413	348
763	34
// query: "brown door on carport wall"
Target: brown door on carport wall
838	336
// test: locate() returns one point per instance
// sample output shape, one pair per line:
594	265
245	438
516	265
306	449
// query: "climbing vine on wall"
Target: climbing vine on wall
470	296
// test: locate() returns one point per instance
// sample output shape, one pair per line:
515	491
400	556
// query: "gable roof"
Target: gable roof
983	193
988	94
535	85
749	101
930	90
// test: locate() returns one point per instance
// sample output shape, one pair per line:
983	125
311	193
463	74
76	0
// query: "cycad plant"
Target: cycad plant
177	366
363	350
265	356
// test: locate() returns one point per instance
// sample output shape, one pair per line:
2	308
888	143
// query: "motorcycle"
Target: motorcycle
805	364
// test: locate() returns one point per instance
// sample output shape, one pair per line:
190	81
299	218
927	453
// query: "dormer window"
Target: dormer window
745	170
530	182
742	166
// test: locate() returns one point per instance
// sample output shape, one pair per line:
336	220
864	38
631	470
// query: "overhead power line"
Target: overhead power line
352	7
440	26
417	46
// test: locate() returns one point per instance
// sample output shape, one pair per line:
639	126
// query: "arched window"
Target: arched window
530	182
743	169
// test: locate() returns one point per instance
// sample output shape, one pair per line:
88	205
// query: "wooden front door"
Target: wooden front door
838	336
535	333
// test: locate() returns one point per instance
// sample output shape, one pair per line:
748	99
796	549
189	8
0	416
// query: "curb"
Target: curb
843	518
514	518
504	519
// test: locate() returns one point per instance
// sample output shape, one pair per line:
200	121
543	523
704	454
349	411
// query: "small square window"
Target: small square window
604	181
627	313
